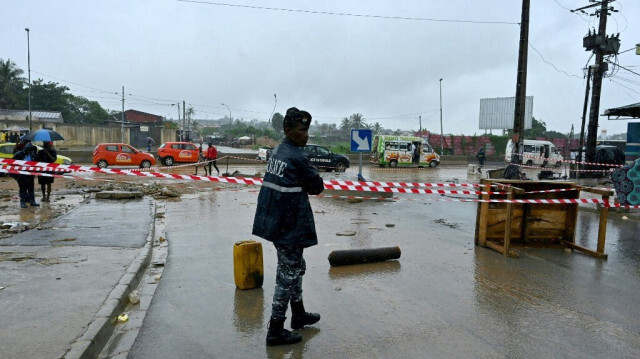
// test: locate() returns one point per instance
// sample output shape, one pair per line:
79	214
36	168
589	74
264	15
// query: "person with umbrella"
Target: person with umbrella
25	182
44	134
150	143
46	154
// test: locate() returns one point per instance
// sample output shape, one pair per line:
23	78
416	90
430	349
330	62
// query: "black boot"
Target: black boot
277	335
300	318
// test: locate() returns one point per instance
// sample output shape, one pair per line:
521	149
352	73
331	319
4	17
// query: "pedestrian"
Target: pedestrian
3	137
25	182
212	154
150	143
481	158
46	154
20	143
284	217
201	162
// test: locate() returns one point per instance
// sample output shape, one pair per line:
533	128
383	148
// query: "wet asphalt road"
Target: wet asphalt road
444	298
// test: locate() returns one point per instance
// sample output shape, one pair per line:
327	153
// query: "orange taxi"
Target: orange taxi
172	152
121	154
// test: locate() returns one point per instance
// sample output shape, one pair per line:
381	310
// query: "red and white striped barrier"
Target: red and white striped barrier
477	200
371	187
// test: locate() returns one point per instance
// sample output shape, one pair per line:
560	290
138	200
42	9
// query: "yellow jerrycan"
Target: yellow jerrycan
248	269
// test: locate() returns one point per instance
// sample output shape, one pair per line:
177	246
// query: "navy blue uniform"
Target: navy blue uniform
284	217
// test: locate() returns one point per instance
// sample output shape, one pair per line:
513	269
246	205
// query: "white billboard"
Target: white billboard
497	113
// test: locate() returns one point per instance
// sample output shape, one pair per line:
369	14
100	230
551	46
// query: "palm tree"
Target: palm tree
357	121
11	84
346	124
376	127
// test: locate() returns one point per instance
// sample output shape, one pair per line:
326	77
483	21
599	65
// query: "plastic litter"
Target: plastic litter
134	297
123	317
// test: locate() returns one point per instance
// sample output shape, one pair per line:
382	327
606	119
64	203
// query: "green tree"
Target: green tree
88	111
277	122
11	84
346	124
376	128
51	97
357	121
538	129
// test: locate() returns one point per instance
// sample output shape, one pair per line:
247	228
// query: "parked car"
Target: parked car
121	154
264	153
172	152
322	158
6	151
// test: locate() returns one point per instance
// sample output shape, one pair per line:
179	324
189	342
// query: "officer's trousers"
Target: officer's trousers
291	268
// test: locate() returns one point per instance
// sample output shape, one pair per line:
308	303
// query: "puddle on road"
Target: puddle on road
373	270
34	216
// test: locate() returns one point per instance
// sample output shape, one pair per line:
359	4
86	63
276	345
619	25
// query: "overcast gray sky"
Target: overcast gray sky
387	69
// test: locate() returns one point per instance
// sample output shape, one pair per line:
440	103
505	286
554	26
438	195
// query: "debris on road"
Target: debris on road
123	317
346	233
364	255
134	297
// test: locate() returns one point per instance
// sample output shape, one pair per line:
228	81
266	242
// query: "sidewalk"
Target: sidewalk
61	286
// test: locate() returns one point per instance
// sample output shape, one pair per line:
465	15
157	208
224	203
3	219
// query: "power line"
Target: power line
633	48
351	14
624	68
554	66
77	84
627	80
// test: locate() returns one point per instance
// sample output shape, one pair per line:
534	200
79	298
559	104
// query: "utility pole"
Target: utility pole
601	46
420	128
184	118
584	117
122	118
441	132
521	82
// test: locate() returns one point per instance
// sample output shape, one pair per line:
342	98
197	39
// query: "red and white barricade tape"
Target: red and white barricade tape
331	185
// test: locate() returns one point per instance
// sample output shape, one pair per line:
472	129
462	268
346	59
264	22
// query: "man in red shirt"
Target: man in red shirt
212	154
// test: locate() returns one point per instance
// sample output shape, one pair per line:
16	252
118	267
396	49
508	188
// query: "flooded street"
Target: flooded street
444	298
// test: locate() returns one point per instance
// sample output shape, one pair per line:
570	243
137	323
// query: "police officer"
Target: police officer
284	217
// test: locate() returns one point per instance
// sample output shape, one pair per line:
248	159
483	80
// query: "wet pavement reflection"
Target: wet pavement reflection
444	297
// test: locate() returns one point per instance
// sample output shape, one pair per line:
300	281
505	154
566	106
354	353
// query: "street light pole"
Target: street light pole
229	113
441	133
275	103
29	72
122	118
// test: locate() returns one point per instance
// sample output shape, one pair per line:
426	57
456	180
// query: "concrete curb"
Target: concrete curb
92	342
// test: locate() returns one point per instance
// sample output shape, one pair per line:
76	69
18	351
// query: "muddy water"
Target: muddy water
444	298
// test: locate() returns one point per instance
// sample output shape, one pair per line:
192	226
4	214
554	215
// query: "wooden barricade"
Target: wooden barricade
502	226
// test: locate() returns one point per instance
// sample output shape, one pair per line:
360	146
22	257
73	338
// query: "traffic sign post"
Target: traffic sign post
361	142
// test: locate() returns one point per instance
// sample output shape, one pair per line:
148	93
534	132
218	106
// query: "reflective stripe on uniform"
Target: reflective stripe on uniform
280	188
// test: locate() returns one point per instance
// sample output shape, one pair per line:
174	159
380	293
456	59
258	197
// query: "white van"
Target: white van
538	153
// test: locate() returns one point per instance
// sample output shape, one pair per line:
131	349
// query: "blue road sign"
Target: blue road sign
361	140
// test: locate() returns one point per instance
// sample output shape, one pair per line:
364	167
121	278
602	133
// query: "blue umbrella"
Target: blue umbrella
44	135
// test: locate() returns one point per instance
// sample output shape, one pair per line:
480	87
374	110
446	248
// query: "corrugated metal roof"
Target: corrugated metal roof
40	114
